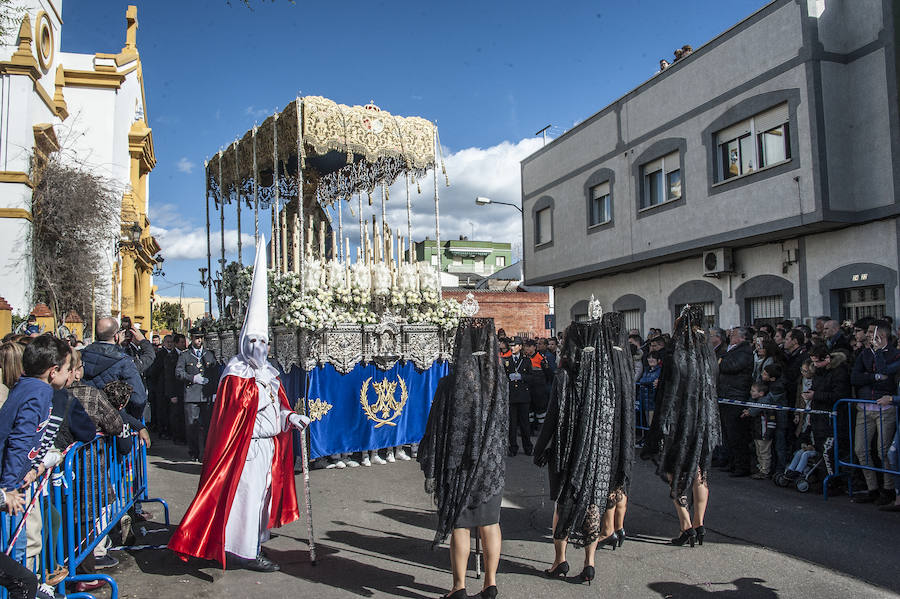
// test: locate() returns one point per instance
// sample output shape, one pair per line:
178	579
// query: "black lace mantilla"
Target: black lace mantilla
463	451
594	440
686	426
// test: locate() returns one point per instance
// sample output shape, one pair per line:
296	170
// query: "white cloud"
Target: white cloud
259	113
185	243
166	215
185	165
493	172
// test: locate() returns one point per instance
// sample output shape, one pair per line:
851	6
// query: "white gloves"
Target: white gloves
298	421
515	376
199	379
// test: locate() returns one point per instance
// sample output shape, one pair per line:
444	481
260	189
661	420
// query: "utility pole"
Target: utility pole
181	307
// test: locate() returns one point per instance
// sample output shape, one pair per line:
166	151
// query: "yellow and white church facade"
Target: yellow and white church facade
94	105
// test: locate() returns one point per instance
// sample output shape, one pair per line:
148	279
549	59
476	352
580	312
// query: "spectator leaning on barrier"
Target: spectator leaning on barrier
893	454
104	362
735	378
26	413
874	377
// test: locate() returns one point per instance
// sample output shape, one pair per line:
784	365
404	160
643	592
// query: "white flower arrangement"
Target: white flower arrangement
337	275
381	279
429	279
327	300
312	275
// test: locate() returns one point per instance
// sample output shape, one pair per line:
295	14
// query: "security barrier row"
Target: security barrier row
75	506
872	437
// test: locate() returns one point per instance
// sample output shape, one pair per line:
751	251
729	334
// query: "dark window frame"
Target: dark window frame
599	177
656	150
542	203
743	111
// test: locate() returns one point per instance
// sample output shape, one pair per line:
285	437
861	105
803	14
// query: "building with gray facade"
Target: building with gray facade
758	176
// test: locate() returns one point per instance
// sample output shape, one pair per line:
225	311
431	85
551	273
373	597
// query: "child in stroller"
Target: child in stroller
807	468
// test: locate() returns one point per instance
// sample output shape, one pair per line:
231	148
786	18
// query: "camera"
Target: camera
126	324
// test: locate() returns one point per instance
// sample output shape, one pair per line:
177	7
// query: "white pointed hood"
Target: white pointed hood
253	345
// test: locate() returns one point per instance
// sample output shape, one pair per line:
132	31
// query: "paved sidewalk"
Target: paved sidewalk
374	526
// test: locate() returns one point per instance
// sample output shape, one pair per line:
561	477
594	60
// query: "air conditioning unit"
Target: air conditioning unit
718	261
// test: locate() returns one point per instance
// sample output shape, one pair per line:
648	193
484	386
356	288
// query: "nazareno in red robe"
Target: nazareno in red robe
202	530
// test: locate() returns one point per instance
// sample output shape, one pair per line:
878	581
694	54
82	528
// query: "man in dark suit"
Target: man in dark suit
735	379
159	398
518	370
198	372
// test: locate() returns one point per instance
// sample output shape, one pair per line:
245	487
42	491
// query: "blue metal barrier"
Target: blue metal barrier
87	494
643	415
860	424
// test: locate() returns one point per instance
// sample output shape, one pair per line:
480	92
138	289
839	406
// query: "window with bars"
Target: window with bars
632	319
709	312
859	302
765	310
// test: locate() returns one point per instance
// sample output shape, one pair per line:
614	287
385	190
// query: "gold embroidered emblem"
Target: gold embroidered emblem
318	409
386	409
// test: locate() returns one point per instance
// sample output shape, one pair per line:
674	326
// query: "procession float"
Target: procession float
363	336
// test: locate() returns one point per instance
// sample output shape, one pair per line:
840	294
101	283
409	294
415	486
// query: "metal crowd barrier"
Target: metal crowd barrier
643	395
884	437
78	504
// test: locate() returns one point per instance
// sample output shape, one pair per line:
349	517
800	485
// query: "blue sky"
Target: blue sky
489	73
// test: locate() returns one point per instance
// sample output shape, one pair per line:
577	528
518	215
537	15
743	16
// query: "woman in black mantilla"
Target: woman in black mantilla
463	451
686	427
588	440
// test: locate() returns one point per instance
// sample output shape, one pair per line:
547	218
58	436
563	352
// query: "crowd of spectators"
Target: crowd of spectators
53	393
784	365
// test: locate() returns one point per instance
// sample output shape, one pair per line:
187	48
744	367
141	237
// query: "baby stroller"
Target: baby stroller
817	469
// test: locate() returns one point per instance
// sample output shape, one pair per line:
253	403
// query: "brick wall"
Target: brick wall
515	312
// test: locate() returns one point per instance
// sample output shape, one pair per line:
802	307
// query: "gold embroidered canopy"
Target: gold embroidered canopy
344	150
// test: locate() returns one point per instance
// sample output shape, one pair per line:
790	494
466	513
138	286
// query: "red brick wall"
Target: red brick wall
513	311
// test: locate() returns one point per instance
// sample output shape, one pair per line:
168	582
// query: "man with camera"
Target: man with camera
197	369
106	361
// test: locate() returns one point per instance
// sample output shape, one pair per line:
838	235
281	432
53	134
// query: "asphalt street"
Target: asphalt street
373	530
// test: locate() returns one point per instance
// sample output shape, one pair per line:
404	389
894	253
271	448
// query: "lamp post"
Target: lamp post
483	201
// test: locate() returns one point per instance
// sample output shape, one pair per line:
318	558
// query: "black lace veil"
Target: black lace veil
686	426
594	390
463	451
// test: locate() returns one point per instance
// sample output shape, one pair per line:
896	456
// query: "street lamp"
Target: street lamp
483	201
203	280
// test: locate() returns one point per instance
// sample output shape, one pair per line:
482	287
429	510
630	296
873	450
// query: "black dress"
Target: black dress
686	425
463	451
588	435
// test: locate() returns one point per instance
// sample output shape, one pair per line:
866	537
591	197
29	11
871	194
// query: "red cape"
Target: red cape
202	530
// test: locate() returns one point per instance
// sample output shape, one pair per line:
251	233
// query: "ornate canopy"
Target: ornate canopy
344	150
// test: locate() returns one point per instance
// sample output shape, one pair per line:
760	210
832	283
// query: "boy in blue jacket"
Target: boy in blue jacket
26	413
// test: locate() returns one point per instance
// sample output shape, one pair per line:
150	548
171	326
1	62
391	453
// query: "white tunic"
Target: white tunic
248	519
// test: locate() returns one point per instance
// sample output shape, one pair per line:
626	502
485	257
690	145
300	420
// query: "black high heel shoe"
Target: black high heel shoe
488	593
612	540
621	534
559	571
700	532
587	575
458	594
686	536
